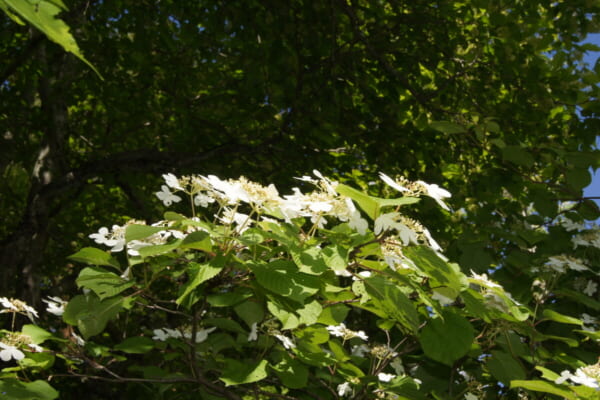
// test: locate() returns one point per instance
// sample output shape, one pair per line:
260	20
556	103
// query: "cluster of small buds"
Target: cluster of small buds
383	352
540	291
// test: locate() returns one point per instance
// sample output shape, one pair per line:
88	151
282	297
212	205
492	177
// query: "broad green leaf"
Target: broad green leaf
90	314
310	261
37	334
292	373
150	251
136	345
334	315
36	390
504	367
225	324
314	335
558	317
198	240
283	278
137	232
43	14
228	299
402	201
200	273
335	257
102	282
447	127
236	372
545	387
337	349
431	264
44	360
366	202
578	178
518	155
94	256
392	302
250	312
448	338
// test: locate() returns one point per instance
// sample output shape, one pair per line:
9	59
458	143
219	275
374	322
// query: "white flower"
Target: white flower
172	181
202	334
35	347
563	377
360	350
341	331
287	342
9	352
253	332
203	200
6	303
355	220
392	183
437	193
591	288
101	236
344	389
383	377
443	300
56	305
232	192
167	197
160	334
482	280
342	272
385	222
78	339
583	379
398	367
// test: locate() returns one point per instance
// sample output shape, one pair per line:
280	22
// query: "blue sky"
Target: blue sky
590	58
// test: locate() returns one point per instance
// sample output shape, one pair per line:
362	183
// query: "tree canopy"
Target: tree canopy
488	99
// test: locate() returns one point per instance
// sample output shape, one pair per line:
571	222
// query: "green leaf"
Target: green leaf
578	178
545	387
518	155
504	367
44	360
292	373
136	345
448	338
43	14
250	311
37	334
557	317
431	264
366	202
236	373
150	251
94	256
200	273
334	315
137	232
392	302
283	278
90	314
198	240
447	127
102	282
401	201
225	324
36	390
310	260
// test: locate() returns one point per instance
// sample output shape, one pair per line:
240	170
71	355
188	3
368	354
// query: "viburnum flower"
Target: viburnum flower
482	280
591	288
15	305
285	341
56	305
36	348
582	376
253	332
344	389
383	377
385	222
9	352
172	181
167	197
201	335
392	183
437	193
341	331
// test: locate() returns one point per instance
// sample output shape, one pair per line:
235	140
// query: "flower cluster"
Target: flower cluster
17	306
587	376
